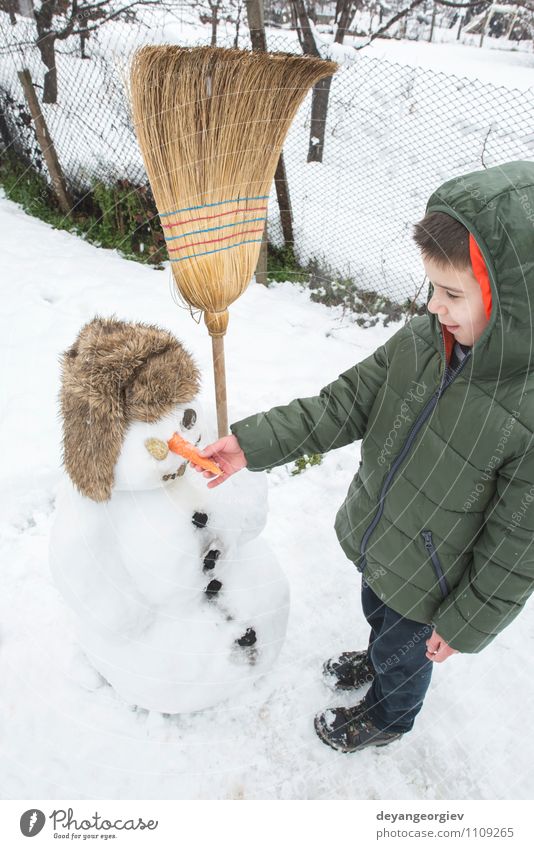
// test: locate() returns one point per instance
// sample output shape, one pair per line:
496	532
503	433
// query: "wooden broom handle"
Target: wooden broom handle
219	373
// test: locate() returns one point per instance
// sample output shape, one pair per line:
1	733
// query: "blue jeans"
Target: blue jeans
397	648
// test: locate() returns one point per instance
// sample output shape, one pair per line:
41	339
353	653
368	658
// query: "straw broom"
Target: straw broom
211	123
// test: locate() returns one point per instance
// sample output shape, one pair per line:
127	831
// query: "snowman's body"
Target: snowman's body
178	604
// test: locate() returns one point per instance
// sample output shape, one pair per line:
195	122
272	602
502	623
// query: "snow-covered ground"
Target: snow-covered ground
58	738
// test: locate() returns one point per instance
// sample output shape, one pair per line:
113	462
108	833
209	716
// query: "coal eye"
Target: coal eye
189	419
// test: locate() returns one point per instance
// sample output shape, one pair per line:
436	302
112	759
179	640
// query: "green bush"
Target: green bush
283	265
306	462
120	216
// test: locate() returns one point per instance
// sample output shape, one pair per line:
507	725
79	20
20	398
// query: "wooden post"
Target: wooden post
433	22
509	33
284	202
261	268
485	24
45	143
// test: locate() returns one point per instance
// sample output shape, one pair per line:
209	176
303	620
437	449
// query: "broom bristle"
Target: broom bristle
211	123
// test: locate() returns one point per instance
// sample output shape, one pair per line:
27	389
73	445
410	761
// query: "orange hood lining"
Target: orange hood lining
481	273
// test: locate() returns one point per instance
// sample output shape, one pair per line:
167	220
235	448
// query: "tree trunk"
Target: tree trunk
259	42
237	27
319	111
214	23
304	32
321	90
13	7
46	45
255	25
347	12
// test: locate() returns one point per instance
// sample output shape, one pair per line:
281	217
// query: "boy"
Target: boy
438	518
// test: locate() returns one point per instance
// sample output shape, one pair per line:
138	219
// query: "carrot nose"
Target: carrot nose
157	448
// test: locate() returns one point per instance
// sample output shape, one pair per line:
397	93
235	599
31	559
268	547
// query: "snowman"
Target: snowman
176	600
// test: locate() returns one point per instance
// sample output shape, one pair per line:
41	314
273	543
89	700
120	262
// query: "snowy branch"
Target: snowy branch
111	16
90	12
397	17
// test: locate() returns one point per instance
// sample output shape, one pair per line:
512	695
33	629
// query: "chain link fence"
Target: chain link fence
393	134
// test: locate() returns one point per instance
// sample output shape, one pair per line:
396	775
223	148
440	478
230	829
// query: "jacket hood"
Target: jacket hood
497	207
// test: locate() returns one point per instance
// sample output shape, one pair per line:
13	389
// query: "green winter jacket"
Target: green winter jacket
439	516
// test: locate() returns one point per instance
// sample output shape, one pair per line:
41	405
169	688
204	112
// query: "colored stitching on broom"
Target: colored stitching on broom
211	229
206	205
217	250
208	217
211	241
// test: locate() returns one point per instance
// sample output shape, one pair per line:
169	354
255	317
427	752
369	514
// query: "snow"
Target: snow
63	735
509	68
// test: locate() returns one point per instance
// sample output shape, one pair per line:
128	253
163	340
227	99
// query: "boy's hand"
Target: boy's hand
227	454
438	649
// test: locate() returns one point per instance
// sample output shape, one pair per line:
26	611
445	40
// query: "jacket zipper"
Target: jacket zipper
410	439
431	548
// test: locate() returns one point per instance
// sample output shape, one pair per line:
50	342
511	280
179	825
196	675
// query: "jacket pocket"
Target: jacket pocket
436	565
344	533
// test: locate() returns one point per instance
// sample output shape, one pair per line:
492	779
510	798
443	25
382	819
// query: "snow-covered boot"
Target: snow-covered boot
348	671
350	729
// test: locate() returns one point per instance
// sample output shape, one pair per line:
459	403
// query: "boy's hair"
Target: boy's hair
442	238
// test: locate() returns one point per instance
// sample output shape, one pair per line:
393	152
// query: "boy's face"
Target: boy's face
456	300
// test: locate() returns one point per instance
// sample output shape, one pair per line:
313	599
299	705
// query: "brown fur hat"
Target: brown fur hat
117	372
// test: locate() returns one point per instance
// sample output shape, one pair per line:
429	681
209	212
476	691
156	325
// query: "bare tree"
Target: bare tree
209	14
57	20
214	11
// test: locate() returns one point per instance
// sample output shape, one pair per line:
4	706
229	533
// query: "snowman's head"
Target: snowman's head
124	383
145	461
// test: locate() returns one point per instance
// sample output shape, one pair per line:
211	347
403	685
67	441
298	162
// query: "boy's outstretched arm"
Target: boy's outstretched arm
500	577
336	416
